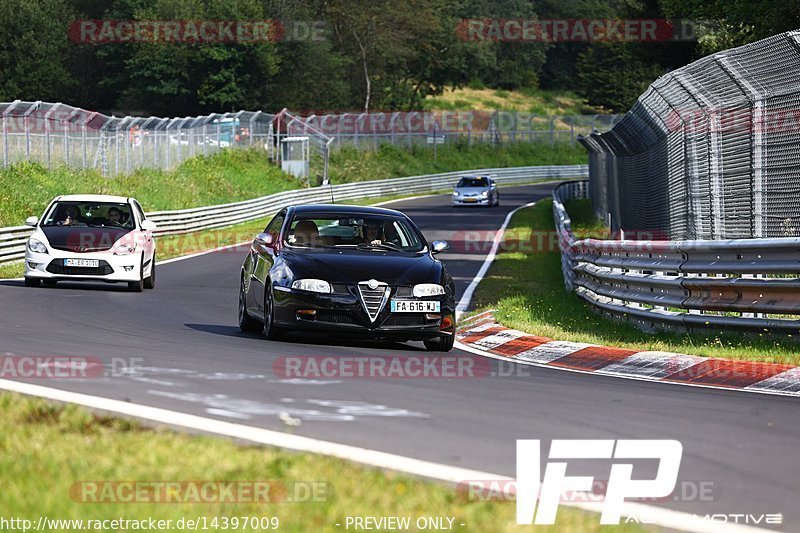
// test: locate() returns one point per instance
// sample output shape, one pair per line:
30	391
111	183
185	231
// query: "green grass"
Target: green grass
349	165
48	448
527	290
231	175
13	270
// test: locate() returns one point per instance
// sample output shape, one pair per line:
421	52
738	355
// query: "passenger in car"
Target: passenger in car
114	216
69	216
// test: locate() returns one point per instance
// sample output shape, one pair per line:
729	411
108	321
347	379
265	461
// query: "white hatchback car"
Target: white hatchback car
94	238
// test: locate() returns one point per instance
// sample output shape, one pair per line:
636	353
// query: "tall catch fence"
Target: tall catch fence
709	151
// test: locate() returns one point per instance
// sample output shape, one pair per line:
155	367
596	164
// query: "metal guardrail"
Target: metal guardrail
751	284
14	239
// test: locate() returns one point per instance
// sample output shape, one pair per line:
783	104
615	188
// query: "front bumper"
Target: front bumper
113	268
470	201
343	313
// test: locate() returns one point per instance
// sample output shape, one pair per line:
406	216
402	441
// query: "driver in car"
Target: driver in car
372	231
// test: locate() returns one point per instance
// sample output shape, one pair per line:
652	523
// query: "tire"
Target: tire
150	281
270	330
246	323
32	282
138	286
442	344
49	283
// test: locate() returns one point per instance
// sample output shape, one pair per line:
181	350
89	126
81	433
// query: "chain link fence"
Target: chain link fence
709	151
59	134
55	134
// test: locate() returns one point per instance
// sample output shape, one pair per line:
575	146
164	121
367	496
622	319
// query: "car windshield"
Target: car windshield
98	214
473	182
355	231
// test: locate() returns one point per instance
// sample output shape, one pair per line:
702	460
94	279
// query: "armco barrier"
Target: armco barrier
14	239
751	284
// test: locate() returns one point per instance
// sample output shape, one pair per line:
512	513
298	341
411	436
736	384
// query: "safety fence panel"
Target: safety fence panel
709	151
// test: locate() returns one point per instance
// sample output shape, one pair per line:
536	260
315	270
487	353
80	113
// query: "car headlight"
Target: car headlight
456	193
427	289
312	285
125	248
37	246
485	194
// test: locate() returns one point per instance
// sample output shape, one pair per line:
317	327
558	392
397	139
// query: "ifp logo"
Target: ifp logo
620	484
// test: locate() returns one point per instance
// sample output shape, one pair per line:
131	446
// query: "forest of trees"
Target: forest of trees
374	54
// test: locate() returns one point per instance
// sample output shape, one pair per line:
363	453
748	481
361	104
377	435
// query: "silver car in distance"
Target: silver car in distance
476	190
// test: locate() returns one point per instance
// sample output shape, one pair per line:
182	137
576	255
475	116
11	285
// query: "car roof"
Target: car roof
344	208
92	198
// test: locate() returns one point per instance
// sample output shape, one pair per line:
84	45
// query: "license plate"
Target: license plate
470	200
415	306
89	263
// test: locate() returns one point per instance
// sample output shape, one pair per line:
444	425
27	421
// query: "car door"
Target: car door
263	257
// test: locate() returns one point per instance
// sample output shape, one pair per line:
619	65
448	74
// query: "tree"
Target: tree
736	23
382	37
613	76
34	49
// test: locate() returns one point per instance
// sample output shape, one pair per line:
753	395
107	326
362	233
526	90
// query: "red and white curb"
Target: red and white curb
482	333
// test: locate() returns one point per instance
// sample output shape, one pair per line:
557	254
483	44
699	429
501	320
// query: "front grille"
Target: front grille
56	267
334	317
407	320
373	300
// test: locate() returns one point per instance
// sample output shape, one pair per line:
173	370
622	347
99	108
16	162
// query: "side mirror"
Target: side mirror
32	221
439	246
265	239
149	225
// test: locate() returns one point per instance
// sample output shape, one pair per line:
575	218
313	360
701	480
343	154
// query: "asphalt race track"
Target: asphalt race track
743	449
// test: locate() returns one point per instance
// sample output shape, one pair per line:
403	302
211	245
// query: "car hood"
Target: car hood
82	238
353	266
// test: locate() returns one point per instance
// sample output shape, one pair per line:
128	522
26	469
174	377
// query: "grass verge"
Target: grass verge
526	288
41	479
233	175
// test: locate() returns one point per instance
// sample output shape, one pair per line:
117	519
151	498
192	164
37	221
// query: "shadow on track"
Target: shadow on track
310	338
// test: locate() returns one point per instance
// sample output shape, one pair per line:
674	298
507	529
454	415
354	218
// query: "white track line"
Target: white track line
463	303
408	465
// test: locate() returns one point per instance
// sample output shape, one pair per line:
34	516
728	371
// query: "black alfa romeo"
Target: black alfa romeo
347	270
